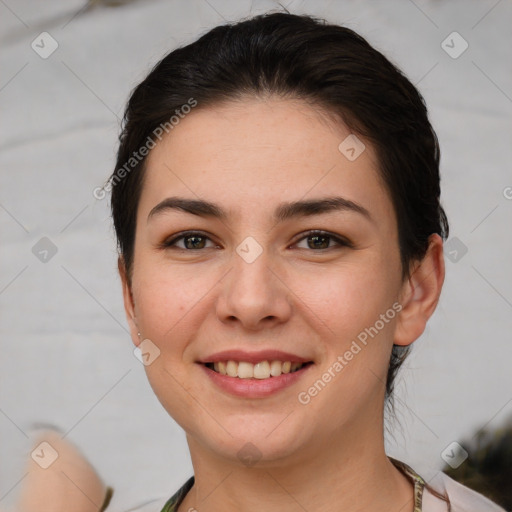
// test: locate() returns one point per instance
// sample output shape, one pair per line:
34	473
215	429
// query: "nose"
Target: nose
254	294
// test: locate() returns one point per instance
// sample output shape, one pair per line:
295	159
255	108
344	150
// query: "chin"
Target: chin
262	445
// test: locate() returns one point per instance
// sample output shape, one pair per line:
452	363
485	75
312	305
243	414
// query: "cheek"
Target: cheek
164	296
350	297
345	309
173	302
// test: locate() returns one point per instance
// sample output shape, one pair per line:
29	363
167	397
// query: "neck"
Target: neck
347	470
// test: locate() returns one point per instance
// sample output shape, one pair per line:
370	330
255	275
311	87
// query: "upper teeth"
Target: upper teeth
261	370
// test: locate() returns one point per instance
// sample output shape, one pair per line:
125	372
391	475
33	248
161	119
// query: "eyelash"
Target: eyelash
340	241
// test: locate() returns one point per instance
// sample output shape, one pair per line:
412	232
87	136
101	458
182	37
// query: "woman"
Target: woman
276	203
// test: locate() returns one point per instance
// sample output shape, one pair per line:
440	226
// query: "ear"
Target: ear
420	293
129	304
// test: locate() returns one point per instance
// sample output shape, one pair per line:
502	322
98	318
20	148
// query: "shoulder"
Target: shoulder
462	498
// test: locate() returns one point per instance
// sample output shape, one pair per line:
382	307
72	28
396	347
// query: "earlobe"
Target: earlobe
420	294
129	304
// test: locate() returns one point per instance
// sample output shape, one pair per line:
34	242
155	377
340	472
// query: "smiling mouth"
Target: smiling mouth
261	370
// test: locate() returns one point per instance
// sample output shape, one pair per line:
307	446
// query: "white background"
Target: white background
65	355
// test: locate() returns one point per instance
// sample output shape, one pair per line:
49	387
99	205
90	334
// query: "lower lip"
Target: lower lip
255	388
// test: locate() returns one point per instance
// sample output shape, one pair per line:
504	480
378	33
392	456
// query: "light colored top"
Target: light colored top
462	498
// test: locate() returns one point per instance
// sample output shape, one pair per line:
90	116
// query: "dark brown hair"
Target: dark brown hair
299	57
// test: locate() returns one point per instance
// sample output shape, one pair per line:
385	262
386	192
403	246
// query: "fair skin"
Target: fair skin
309	299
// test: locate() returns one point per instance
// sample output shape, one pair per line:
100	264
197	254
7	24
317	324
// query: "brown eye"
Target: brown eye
321	240
194	242
318	241
191	241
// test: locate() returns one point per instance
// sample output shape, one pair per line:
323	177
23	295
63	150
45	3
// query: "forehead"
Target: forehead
253	152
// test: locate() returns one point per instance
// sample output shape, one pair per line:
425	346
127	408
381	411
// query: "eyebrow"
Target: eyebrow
283	212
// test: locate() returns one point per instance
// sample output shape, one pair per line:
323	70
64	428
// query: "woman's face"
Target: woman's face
251	279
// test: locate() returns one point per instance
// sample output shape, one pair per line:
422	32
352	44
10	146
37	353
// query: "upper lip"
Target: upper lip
253	357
